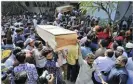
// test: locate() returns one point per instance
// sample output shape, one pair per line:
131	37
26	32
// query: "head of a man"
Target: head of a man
21	56
121	61
47	52
29	25
117	54
109	53
16	50
90	58
30	42
114	46
19	31
129	47
38	45
103	43
87	43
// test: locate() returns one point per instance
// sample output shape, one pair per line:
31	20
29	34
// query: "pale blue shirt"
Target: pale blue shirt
129	65
130	77
103	64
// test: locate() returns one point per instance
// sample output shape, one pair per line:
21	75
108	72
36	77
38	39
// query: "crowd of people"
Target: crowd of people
102	55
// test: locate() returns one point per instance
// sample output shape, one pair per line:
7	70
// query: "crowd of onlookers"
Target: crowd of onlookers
102	55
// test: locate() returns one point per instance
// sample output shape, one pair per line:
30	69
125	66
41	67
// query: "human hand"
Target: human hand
103	82
51	79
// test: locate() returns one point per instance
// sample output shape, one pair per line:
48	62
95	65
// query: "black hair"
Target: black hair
16	50
37	43
46	51
103	43
79	37
20	44
110	53
120	43
18	30
21	56
115	45
87	43
28	24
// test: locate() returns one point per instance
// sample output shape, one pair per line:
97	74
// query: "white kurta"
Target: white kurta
85	72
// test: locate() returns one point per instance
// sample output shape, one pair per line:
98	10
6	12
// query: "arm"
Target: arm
80	59
35	74
60	58
51	80
98	71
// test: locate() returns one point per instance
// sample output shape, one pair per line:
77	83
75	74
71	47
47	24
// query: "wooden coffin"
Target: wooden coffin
57	37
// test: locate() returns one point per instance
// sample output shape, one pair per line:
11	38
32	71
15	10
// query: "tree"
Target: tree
107	7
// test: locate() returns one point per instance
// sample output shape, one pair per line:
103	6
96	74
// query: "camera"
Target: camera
44	77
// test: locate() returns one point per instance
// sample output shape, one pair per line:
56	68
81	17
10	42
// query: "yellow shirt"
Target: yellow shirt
72	54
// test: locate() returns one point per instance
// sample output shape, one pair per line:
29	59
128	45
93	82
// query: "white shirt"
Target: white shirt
124	54
129	65
60	16
103	64
82	41
85	72
39	59
35	22
56	24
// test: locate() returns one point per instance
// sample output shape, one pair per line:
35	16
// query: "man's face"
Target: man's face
32	43
119	62
50	55
90	60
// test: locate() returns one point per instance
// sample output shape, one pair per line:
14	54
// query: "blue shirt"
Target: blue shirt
94	46
131	53
26	30
31	72
85	51
118	76
130	77
18	38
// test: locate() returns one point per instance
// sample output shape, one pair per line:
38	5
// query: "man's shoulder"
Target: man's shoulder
130	59
100	58
30	65
123	71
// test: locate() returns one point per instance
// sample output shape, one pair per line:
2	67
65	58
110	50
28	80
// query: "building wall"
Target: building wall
121	9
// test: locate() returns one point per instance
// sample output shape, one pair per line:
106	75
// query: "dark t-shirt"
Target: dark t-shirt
118	76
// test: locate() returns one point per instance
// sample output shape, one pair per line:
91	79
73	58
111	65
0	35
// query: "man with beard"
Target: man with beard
86	68
118	74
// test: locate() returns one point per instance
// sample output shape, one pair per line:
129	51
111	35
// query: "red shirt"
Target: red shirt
102	35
